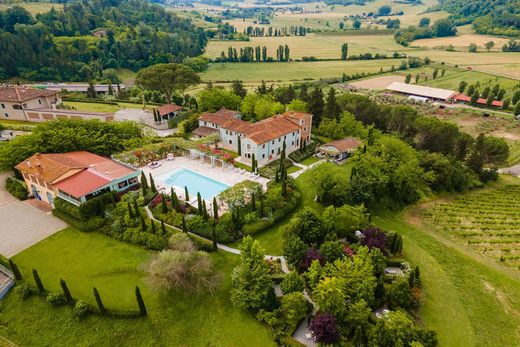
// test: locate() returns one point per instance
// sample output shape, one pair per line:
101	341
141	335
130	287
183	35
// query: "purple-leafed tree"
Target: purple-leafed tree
374	237
323	329
311	255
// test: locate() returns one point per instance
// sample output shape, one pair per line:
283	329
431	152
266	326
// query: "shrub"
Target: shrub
292	282
91	224
24	291
81	310
17	188
303	153
323	329
56	299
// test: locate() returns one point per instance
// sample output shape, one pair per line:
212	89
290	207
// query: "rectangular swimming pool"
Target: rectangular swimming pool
195	182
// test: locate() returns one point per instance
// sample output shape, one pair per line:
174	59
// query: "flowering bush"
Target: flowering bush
374	237
311	255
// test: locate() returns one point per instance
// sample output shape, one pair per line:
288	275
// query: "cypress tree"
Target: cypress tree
253	163
66	291
164	207
214	237
140	301
130	212
38	281
143	224
152	184
99	302
184	227
144	182
215	209
253	202
154	230
175	201
239	144
163	228
199	203
204	210
284	182
261	207
16	271
136	208
186	194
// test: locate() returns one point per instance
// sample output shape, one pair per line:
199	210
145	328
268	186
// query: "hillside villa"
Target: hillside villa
263	139
75	176
39	105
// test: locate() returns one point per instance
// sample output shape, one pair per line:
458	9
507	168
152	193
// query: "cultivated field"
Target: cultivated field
294	71
34	7
377	83
487	221
319	46
461	42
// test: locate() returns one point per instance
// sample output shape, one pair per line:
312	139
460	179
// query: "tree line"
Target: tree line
84	38
254	54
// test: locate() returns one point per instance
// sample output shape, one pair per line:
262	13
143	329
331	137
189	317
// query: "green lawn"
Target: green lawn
310	160
100	107
85	260
293	169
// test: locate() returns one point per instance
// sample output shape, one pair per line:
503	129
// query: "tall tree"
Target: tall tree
316	105
332	108
167	78
38	281
66	291
101	306
140	301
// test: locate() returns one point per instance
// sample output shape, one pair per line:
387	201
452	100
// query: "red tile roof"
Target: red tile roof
295	114
237	125
271	128
21	94
82	183
223	112
58	168
481	101
204	131
169	108
344	145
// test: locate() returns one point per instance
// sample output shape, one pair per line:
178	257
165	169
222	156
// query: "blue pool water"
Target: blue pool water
195	182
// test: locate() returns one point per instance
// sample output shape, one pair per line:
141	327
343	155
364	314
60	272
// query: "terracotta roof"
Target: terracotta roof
21	94
82	183
169	108
344	145
481	101
204	131
295	114
58	167
212	118
223	112
238	125
271	128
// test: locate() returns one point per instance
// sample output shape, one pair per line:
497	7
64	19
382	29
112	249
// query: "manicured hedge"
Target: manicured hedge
92	224
269	170
303	153
17	188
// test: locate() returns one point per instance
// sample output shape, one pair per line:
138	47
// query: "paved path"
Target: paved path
513	170
24	225
305	167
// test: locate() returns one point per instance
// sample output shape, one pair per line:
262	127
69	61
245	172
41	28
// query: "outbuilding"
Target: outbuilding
340	149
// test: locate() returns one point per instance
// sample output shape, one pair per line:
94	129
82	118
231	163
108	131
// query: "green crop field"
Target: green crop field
489	222
100	107
294	71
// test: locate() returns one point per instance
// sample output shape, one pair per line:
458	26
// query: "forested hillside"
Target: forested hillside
500	17
89	36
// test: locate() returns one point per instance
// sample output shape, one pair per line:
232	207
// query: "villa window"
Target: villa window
6	114
263	155
132	180
205	123
122	184
279	139
40	101
272	151
292	143
227	132
278	150
263	146
230	142
272	142
17	107
3	106
248	146
304	128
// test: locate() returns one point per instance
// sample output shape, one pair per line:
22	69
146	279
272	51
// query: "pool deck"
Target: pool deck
227	175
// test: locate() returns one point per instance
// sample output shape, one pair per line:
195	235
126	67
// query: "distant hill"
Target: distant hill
500	17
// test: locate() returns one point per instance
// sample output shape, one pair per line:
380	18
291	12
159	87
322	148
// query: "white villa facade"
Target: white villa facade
264	139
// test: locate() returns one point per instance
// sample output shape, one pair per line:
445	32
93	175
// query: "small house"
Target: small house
340	149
